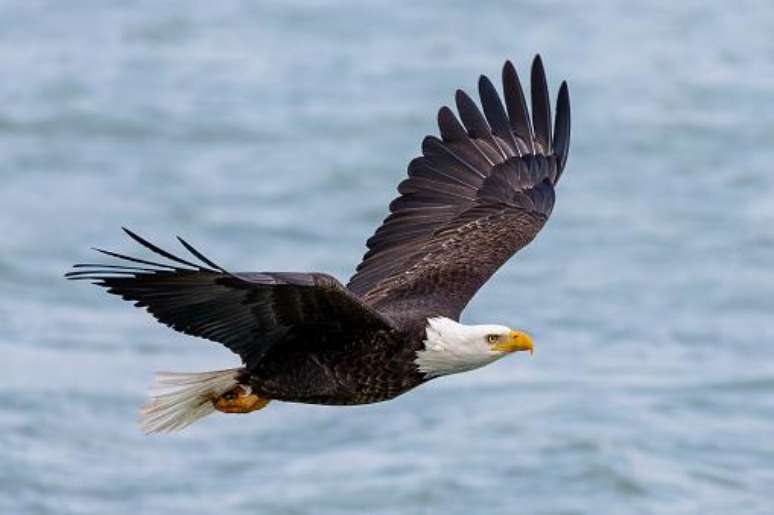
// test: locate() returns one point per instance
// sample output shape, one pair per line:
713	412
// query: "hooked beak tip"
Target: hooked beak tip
521	341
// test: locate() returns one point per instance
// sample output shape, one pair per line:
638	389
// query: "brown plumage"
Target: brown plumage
475	197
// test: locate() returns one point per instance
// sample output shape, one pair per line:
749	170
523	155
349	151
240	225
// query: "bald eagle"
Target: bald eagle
475	196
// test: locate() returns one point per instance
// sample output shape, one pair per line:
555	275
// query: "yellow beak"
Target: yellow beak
516	341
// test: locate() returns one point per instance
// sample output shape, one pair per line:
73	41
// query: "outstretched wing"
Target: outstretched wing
246	312
474	198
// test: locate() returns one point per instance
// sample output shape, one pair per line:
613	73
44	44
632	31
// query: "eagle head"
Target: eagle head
451	347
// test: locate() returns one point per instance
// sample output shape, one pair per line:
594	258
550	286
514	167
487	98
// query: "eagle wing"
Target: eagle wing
474	198
246	312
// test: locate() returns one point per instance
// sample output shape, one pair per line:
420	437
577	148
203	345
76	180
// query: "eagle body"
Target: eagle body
474	197
357	368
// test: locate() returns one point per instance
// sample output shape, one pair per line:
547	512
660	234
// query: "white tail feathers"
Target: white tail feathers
180	399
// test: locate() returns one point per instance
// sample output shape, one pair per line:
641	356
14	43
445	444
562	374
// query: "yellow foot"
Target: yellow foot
239	399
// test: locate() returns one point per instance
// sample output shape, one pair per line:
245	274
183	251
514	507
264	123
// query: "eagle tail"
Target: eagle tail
180	399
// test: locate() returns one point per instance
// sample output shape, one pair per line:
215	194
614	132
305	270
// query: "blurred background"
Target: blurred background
272	135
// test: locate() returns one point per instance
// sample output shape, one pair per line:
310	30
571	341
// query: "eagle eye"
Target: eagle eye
492	338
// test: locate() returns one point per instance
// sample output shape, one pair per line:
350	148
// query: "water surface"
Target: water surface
272	136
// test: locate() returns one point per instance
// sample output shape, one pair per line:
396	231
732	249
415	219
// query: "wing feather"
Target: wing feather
495	114
516	104
471	117
450	127
541	106
562	124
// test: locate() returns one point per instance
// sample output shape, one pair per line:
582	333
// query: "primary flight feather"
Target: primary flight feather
475	196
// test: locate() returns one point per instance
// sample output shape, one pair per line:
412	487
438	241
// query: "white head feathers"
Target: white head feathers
451	347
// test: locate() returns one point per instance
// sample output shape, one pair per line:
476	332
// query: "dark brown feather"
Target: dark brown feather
541	106
495	114
518	114
562	125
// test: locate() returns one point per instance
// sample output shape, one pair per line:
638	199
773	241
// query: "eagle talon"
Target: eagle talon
239	399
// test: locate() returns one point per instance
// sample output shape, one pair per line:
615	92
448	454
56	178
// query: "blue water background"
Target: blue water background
272	135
